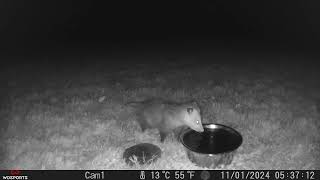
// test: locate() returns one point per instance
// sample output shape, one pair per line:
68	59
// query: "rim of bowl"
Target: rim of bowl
210	126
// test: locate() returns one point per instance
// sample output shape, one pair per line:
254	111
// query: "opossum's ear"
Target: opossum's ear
189	110
194	103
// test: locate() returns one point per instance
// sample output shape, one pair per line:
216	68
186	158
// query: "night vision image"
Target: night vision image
132	85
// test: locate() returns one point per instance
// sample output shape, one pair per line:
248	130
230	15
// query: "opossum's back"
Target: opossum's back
163	116
152	115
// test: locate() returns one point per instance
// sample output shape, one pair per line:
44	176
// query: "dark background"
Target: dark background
30	27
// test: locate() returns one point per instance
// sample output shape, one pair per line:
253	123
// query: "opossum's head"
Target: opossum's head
192	116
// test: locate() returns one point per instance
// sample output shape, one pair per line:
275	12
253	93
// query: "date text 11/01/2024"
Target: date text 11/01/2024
272	174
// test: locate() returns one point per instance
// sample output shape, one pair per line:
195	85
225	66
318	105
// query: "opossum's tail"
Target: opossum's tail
137	103
133	103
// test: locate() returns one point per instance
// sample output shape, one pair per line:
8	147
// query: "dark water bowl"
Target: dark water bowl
214	147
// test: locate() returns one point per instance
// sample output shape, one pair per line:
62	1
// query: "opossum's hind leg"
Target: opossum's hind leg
143	127
142	124
141	121
163	135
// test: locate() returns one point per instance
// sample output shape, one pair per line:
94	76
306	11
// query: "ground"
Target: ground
72	116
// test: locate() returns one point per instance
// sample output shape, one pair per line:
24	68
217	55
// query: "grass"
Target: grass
76	119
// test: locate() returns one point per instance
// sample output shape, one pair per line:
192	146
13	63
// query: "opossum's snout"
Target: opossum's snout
193	120
199	127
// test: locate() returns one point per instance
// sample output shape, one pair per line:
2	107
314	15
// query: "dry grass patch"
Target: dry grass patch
88	127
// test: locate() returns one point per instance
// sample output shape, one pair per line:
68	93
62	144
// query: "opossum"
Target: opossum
166	116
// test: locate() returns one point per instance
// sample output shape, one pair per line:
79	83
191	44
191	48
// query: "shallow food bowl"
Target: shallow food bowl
214	147
144	152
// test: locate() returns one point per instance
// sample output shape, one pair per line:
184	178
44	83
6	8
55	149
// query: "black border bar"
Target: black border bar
161	174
